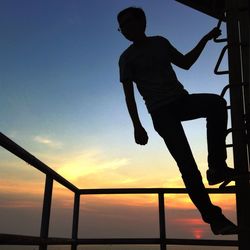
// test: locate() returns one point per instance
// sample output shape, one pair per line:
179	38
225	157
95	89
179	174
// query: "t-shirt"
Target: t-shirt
149	66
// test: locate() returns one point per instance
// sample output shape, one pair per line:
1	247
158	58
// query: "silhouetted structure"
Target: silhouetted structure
237	17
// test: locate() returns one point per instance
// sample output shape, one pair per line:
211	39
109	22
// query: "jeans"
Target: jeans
167	122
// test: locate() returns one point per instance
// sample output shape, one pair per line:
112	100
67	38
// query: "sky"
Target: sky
61	100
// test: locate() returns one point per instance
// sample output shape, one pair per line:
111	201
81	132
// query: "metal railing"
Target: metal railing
44	240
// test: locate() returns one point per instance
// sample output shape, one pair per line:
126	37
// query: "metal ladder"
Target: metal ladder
237	20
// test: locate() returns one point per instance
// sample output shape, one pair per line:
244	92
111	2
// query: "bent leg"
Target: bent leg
214	109
171	130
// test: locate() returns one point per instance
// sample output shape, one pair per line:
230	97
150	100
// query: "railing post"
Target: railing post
162	221
75	221
46	211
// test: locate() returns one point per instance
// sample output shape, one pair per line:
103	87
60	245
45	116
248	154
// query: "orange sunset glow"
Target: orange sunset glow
22	194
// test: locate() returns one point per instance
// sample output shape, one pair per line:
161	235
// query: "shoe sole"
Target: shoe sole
229	230
229	179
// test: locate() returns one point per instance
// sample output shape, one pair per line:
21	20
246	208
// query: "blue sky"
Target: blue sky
59	73
60	94
60	89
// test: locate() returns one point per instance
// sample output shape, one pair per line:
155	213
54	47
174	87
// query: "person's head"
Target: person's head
132	22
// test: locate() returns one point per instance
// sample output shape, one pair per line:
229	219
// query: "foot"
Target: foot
223	226
215	176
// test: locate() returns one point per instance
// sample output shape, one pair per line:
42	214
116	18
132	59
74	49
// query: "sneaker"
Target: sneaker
223	226
215	176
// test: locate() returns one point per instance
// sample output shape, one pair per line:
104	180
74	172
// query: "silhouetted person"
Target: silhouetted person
147	62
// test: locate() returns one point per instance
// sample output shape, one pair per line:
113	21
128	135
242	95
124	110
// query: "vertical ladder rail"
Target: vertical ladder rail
238	25
244	26
238	121
244	33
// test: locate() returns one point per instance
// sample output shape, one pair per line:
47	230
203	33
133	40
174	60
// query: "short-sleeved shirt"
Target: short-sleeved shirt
149	66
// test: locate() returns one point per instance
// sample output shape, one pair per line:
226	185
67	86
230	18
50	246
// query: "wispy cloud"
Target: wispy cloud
89	163
47	141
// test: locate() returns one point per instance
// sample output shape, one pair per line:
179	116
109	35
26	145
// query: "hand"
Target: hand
213	34
141	136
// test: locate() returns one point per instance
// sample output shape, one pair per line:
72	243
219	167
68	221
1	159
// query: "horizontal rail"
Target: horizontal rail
227	190
157	241
151	241
13	239
12	147
32	240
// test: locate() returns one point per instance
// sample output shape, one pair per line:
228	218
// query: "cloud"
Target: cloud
45	140
91	162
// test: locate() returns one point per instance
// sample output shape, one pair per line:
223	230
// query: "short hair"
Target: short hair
136	12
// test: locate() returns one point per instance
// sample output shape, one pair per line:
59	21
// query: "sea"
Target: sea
120	247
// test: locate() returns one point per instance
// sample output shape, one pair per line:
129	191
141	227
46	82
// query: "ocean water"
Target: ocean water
120	247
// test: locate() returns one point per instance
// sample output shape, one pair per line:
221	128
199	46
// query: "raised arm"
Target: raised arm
186	61
140	134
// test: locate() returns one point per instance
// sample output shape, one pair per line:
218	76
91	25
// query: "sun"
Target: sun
198	233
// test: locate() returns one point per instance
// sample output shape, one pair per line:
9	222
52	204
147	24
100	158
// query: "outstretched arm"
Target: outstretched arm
140	134
186	61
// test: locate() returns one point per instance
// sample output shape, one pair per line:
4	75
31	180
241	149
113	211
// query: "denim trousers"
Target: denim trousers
167	122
